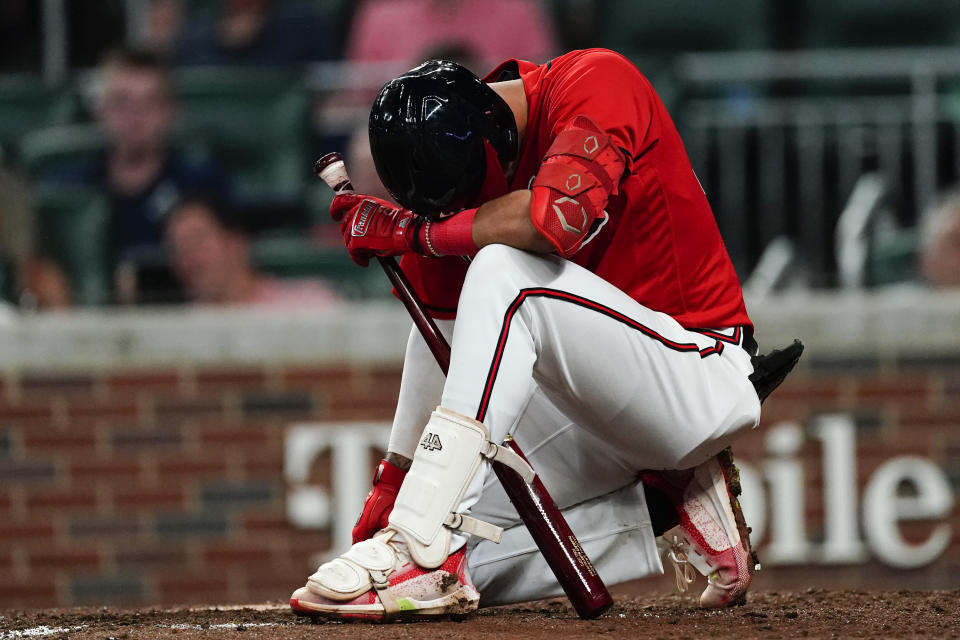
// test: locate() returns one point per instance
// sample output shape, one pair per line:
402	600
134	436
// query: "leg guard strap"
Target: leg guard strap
506	456
474	527
382	586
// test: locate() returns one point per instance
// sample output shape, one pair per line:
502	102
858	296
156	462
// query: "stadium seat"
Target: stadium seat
892	258
256	122
72	231
44	151
881	23
26	103
299	257
664	27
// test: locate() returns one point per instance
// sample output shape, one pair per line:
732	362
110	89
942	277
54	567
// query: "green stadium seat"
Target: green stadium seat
892	257
72	231
665	27
256	121
26	103
881	23
299	257
43	151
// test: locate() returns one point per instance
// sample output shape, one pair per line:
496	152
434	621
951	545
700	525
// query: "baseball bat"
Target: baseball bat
548	528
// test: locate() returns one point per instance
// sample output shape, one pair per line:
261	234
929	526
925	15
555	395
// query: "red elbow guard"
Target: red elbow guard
581	170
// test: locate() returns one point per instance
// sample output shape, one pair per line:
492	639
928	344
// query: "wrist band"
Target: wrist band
453	235
426	239
449	236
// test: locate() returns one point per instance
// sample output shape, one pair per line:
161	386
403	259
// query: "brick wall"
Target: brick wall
162	486
159	483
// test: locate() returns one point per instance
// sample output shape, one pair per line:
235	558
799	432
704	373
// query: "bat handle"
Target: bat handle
332	170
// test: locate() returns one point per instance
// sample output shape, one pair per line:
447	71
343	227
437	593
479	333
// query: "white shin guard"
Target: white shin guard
447	459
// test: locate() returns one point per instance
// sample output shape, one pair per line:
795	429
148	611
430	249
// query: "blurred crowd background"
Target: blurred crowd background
160	151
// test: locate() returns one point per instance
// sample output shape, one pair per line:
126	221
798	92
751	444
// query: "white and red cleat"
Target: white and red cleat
712	535
377	581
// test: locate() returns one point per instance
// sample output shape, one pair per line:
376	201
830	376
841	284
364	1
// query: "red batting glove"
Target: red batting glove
379	502
374	227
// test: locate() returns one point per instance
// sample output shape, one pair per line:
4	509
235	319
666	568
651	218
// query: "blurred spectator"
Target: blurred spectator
26	277
940	243
392	30
210	253
162	27
363	173
256	32
460	52
139	170
387	37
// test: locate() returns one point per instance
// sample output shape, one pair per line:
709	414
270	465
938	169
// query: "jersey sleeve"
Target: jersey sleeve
607	88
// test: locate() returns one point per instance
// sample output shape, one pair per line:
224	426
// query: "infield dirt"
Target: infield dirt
814	613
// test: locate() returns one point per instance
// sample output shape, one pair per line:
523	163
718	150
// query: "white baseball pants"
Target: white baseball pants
594	387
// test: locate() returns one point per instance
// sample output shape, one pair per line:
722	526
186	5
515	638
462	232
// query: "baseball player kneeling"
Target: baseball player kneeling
599	321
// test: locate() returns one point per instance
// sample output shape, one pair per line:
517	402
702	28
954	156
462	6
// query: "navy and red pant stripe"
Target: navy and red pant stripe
586	303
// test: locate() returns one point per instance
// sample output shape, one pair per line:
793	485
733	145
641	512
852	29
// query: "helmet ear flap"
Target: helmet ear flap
495	179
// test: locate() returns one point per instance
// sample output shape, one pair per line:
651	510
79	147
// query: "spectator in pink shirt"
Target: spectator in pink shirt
399	30
940	244
363	173
210	255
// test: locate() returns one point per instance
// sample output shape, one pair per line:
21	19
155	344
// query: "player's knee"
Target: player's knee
501	271
499	260
491	276
495	263
494	257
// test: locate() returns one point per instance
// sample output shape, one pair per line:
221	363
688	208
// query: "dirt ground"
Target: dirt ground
815	613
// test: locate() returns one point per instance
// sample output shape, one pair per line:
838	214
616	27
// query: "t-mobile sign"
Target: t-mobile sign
857	523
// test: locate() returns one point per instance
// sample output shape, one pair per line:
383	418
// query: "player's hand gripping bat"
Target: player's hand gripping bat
556	541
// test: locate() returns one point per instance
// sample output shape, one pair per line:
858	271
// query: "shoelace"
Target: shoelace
714	578
684	571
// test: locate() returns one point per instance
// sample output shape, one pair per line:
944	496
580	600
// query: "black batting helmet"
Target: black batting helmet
427	134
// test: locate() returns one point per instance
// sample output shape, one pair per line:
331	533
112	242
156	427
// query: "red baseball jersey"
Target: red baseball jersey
661	244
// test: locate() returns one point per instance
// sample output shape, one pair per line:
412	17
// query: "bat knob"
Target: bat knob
325	161
331	169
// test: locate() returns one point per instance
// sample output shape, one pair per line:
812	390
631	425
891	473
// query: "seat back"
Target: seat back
72	225
255	120
45	151
290	257
26	103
